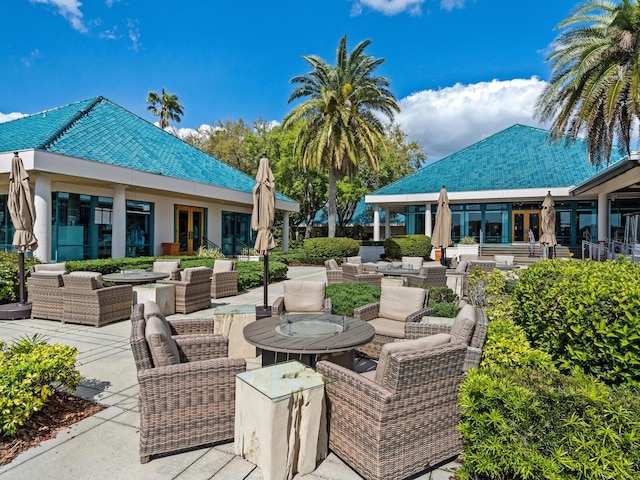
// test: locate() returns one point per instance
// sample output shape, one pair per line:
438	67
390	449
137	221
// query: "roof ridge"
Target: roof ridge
79	114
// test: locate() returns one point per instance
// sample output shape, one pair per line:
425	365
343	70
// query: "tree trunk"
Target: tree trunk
307	231
331	221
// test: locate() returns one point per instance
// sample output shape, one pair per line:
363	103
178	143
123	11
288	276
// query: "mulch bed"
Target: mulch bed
61	411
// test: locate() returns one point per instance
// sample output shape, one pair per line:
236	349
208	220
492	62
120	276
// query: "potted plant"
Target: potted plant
249	255
468	246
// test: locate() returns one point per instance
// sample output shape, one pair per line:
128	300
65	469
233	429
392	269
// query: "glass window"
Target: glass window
72	226
493	227
139	228
563	228
236	233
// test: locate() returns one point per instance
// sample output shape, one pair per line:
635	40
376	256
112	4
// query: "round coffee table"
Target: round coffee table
338	346
134	278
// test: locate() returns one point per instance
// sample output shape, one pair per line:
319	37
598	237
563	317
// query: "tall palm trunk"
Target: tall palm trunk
331	224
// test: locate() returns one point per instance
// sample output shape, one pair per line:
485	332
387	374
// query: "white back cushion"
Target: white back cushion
397	302
304	296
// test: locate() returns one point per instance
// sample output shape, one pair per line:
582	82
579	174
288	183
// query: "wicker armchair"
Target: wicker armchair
186	402
398	306
356	273
45	295
432	274
474	337
333	271
403	422
224	279
193	290
86	301
302	296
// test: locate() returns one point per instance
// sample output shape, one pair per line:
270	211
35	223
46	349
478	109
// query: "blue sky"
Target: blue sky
461	69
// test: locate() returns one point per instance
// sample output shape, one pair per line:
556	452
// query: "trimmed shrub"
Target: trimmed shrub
441	295
251	274
443	309
27	370
585	314
408	245
522	419
338	248
346	297
9	284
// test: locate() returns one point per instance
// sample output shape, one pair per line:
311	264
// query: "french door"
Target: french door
189	228
522	222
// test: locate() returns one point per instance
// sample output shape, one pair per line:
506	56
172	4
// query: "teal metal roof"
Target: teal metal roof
98	129
519	157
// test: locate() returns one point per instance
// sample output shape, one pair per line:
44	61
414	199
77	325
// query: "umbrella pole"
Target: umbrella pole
443	257
21	279
265	310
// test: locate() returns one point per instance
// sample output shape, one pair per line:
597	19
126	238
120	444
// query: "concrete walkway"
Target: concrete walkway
105	446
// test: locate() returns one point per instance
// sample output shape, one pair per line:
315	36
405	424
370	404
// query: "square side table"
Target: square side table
230	320
280	422
161	293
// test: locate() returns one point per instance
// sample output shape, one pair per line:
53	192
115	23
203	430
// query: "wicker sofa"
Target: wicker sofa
187	385
86	301
398	306
193	290
224	279
401	419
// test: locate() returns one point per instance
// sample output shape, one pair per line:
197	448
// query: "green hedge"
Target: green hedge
324	248
523	419
251	274
9	285
585	314
28	367
345	297
408	246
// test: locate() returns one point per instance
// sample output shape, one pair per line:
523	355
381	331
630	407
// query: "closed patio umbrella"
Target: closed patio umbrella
548	237
441	237
264	199
23	216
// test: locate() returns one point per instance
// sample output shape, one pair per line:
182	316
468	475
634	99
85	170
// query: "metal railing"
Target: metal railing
206	243
610	250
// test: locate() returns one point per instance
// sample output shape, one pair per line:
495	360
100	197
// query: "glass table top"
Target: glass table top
280	380
234	309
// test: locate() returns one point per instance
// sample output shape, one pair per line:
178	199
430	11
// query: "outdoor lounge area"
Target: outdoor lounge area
107	364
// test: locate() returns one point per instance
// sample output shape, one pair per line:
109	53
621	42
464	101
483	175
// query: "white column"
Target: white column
285	231
376	223
603	217
42	226
387	222
428	227
119	223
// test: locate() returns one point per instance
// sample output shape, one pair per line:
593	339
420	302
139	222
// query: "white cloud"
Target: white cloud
28	61
70	10
449	119
389	7
110	3
134	34
394	7
7	117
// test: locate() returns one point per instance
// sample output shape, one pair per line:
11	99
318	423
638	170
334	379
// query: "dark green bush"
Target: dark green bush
9	285
444	309
345	297
251	274
408	246
522	419
27	370
337	248
585	314
441	295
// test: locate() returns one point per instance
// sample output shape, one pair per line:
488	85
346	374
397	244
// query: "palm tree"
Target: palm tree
340	126
165	106
594	89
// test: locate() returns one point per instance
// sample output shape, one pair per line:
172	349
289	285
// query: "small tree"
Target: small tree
165	106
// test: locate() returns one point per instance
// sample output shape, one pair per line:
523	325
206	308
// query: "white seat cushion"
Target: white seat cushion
388	327
465	322
162	346
304	296
397	302
223	266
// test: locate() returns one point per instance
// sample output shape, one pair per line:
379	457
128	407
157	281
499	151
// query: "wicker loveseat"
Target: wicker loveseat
86	301
402	418
224	279
397	307
187	385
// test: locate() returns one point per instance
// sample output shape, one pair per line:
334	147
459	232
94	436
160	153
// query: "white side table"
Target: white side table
230	320
161	293
280	422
